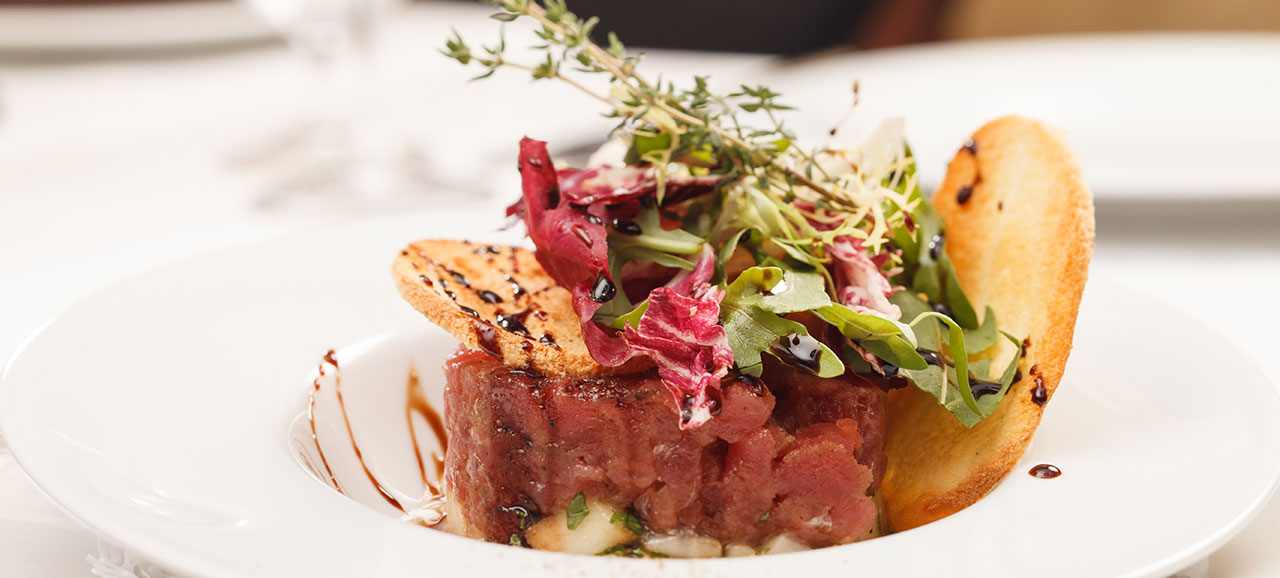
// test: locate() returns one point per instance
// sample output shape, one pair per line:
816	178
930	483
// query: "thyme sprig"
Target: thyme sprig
696	120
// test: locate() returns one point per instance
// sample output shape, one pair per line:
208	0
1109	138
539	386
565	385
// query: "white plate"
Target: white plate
127	26
156	412
1154	116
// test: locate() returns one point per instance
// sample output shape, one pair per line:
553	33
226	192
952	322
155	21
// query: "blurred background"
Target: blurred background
139	132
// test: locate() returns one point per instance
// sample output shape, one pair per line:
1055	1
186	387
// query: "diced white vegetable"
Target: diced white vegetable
783	543
684	544
593	535
738	550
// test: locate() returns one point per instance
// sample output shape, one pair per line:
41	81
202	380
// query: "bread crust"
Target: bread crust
1021	238
499	299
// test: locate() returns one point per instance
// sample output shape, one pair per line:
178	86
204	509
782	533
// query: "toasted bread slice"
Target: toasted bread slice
1020	228
499	300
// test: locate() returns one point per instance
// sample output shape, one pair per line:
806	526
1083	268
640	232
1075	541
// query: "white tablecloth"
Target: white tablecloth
112	166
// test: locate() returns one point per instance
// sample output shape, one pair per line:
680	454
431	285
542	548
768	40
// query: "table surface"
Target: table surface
112	166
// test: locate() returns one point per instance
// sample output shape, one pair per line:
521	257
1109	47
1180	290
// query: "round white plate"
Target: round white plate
157	412
127	26
1152	116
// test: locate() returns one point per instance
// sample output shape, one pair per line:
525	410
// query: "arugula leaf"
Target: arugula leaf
576	512
895	350
927	330
951	387
752	330
631	318
928	270
982	338
779	291
727	250
961	310
856	325
654	236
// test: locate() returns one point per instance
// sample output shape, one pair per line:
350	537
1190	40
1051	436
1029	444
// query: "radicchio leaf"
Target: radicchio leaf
683	336
572	243
860	283
615	185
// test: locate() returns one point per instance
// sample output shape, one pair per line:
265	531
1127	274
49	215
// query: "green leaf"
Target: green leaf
644	144
727	250
778	291
576	512
961	310
941	390
856	325
653	236
629	520
853	360
895	350
615	49
632	317
504	16
753	330
978	340
912	306
933	381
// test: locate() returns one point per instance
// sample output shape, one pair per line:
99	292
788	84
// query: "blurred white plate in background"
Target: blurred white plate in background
127	26
1152	116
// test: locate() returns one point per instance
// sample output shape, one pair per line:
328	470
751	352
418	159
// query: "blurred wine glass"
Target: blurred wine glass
344	153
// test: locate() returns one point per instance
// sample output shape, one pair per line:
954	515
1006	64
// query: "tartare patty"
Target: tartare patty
788	454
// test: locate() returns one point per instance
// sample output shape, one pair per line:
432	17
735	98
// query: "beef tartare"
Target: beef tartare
523	446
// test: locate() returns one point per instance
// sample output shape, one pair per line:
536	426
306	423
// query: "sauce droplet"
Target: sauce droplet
799	350
1045	471
982	387
486	338
626	227
930	357
964	194
971	146
935	246
489	296
603	291
513	322
1039	395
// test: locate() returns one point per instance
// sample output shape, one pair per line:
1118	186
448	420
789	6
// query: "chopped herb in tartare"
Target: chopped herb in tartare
712	242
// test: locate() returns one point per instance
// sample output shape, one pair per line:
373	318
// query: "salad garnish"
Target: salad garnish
716	240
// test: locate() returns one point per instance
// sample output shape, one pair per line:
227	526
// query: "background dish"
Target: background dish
127	26
1151	116
167	432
